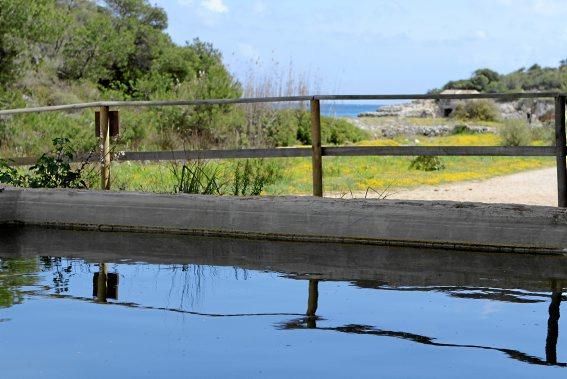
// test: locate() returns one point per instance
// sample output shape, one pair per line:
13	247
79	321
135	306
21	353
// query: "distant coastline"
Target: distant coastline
347	110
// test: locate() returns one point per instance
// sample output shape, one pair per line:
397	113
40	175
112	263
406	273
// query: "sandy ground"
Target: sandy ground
537	187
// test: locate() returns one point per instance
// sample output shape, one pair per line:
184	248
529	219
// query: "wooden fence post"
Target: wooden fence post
316	152
561	151
105	149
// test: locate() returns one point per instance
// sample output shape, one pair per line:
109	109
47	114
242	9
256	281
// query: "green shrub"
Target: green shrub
51	170
9	175
515	133
427	163
292	126
544	134
479	110
251	176
337	131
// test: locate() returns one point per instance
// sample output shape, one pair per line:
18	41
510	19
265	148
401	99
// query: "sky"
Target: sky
373	46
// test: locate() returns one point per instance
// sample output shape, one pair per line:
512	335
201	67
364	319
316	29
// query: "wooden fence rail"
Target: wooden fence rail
316	152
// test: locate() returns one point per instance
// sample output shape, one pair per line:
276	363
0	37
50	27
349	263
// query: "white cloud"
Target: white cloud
215	6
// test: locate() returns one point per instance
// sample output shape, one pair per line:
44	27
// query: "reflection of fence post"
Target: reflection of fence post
105	148
316	148
561	151
313	299
101	283
553	323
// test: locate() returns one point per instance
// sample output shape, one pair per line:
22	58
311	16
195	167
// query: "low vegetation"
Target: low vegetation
427	163
240	178
52	170
478	110
515	133
348	174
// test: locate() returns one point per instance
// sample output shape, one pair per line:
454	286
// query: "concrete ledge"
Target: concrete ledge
468	226
8	203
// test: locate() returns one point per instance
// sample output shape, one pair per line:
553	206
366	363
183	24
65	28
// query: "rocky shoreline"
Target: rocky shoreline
519	109
396	127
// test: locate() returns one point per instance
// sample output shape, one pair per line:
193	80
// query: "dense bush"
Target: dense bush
543	134
250	176
515	133
293	126
480	110
51	170
427	163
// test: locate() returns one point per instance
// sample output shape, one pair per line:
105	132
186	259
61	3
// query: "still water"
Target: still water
84	304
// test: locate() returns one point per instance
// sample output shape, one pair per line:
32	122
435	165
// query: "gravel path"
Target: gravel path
537	187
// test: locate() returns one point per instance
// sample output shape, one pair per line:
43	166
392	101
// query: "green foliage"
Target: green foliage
461	129
543	135
427	163
515	133
479	110
337	131
198	177
292	126
251	176
32	134
244	178
10	175
24	27
50	171
536	78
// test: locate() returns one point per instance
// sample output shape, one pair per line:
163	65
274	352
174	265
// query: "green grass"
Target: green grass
423	121
345	174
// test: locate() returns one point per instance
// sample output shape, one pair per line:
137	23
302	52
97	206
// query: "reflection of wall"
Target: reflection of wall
394	266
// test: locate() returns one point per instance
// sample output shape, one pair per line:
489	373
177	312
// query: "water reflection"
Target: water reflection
105	284
553	324
17	276
74	279
14	275
310	322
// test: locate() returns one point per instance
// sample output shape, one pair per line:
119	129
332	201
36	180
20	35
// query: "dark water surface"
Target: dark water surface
85	304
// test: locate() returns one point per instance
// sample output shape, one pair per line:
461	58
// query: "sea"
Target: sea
335	109
346	109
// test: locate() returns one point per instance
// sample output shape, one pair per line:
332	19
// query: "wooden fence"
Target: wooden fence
317	152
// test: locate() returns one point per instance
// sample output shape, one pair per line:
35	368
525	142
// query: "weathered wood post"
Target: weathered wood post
105	149
561	151
316	152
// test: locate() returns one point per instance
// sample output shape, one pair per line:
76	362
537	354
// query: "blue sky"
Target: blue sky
374	46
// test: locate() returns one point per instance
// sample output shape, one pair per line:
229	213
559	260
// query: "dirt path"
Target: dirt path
537	187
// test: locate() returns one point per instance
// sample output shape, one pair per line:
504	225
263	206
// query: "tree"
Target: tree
24	25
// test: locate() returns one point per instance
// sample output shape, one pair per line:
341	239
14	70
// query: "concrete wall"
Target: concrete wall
8	202
471	226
